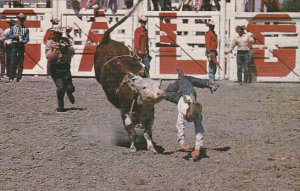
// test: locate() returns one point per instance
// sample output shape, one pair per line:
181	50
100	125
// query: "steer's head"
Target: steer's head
148	90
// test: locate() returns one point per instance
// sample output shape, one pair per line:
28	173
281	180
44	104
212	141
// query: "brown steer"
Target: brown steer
126	85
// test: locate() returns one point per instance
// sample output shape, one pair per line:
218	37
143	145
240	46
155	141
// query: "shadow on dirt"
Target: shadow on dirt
140	144
75	109
221	149
203	153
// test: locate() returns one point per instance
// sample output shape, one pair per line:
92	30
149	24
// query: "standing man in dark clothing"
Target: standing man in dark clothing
2	53
19	34
58	53
7	45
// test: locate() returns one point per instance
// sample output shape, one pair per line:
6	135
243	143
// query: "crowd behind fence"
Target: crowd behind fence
162	5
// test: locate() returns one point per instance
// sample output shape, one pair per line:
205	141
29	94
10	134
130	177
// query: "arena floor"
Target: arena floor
252	141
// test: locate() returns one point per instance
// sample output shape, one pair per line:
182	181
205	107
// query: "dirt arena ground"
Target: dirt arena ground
252	141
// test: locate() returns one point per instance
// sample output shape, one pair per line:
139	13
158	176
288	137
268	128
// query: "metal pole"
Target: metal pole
222	37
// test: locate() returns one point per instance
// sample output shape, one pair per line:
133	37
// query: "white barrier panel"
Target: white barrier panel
177	39
276	54
86	36
34	62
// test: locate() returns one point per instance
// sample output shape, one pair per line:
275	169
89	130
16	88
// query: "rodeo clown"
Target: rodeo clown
59	53
182	93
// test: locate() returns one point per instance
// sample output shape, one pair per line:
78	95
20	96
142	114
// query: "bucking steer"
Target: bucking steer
127	86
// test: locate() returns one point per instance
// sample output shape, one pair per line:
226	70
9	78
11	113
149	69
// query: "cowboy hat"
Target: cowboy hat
21	16
54	21
68	28
210	23
143	19
240	27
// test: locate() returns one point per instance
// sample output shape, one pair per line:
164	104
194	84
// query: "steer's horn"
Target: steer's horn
159	80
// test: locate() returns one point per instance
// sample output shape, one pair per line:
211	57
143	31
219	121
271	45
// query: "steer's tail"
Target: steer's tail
107	33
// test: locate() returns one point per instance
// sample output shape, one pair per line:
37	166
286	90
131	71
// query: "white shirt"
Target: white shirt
6	33
181	120
241	42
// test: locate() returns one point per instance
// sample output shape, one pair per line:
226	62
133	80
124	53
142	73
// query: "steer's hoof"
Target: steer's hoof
132	149
152	150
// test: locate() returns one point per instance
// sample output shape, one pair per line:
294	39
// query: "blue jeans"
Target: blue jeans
146	61
184	86
16	60
212	67
2	57
242	60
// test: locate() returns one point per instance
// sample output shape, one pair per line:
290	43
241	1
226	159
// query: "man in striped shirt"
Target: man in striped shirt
19	34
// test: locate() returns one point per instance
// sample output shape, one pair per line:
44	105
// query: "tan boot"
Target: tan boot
195	154
184	147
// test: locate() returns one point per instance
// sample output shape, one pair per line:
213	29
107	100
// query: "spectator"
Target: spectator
247	6
7	44
2	53
217	4
272	5
76	7
165	5
58	53
19	34
198	5
211	45
185	5
207	6
113	5
48	3
155	5
182	93
243	42
17	4
96	4
128	3
141	43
